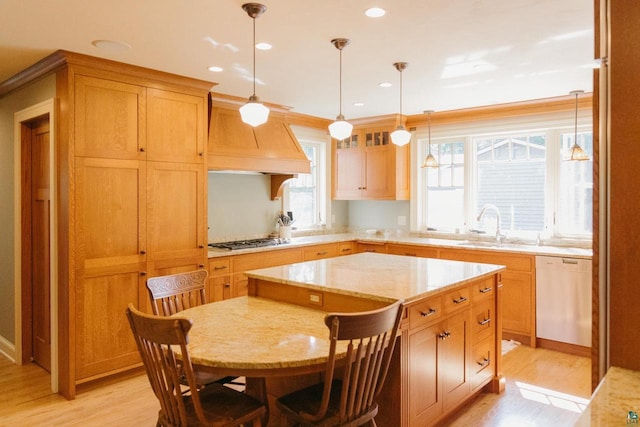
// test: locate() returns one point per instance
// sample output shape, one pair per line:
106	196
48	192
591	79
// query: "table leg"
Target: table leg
257	388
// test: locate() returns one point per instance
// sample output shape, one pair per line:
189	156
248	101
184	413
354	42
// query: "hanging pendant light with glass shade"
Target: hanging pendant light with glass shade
576	153
254	113
340	129
400	136
429	161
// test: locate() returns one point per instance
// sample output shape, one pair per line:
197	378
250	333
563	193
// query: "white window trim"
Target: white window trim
321	139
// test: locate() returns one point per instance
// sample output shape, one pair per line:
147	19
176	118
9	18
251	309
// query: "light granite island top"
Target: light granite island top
380	277
616	400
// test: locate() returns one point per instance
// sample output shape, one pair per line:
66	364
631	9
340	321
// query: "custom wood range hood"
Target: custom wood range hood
270	148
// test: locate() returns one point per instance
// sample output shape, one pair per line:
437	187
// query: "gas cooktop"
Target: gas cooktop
245	244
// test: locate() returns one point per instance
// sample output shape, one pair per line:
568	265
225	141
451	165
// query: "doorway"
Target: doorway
35	237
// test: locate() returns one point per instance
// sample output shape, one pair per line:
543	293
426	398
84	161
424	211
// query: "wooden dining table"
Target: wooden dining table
278	347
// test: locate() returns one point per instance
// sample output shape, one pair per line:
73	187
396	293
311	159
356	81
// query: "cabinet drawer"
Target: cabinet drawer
482	363
320	252
219	266
455	300
482	324
412	250
483	290
425	311
371	247
345	248
511	261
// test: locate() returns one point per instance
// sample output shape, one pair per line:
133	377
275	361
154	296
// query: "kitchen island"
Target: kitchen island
450	340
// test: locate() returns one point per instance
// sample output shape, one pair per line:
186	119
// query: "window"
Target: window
514	165
445	187
306	194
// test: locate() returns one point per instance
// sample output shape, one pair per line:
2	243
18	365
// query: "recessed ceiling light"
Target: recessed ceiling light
216	69
358	104
111	45
375	12
385	84
263	46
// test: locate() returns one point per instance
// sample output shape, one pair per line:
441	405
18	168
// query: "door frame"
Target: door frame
44	108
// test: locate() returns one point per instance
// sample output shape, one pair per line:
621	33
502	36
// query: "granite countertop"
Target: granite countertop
378	276
616	398
560	251
248	334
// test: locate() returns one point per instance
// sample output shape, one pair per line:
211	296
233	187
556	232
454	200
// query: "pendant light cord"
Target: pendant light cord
575	132
254	56
400	94
429	130
340	81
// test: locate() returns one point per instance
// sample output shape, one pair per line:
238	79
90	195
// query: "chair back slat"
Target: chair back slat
176	292
157	339
371	338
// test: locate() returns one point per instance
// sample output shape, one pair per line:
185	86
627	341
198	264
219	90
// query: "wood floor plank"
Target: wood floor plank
544	388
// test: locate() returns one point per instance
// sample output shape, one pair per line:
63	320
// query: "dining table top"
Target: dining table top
259	337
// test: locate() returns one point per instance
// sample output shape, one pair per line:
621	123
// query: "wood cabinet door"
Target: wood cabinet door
176	127
109	119
379	173
454	360
175	210
110	219
348	174
425	388
517	302
103	339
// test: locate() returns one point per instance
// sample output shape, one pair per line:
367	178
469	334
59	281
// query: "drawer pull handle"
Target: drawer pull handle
459	300
431	312
484	322
321	253
484	362
346	250
444	335
200	265
227	285
485	290
219	267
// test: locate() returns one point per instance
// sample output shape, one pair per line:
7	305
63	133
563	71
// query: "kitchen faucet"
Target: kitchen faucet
499	235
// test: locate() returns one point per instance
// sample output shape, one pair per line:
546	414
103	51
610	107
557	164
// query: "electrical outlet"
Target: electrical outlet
402	220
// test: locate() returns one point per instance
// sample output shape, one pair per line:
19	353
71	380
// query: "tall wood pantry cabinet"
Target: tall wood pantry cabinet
131	166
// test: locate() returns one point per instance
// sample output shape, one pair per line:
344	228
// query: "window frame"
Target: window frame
553	125
319	140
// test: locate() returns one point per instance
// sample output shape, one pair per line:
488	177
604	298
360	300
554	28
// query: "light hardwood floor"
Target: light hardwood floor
544	388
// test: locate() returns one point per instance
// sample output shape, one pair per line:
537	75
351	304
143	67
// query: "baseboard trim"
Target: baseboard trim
563	347
8	349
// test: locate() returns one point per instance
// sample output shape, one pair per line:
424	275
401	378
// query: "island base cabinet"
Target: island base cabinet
438	375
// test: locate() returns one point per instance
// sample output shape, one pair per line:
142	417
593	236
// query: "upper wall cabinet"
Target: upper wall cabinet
367	166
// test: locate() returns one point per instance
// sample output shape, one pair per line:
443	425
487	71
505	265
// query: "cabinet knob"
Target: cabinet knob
143	252
142	149
201	154
200	265
227	285
143	273
200	246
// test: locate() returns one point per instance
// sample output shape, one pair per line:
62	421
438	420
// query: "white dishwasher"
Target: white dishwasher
563	299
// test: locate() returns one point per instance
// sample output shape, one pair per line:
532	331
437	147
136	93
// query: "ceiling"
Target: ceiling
461	53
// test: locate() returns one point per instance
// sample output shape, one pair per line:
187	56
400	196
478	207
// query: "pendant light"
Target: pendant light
429	161
340	129
254	113
400	136
576	153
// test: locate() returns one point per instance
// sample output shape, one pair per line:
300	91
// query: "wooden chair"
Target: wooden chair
176	292
347	397
157	338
